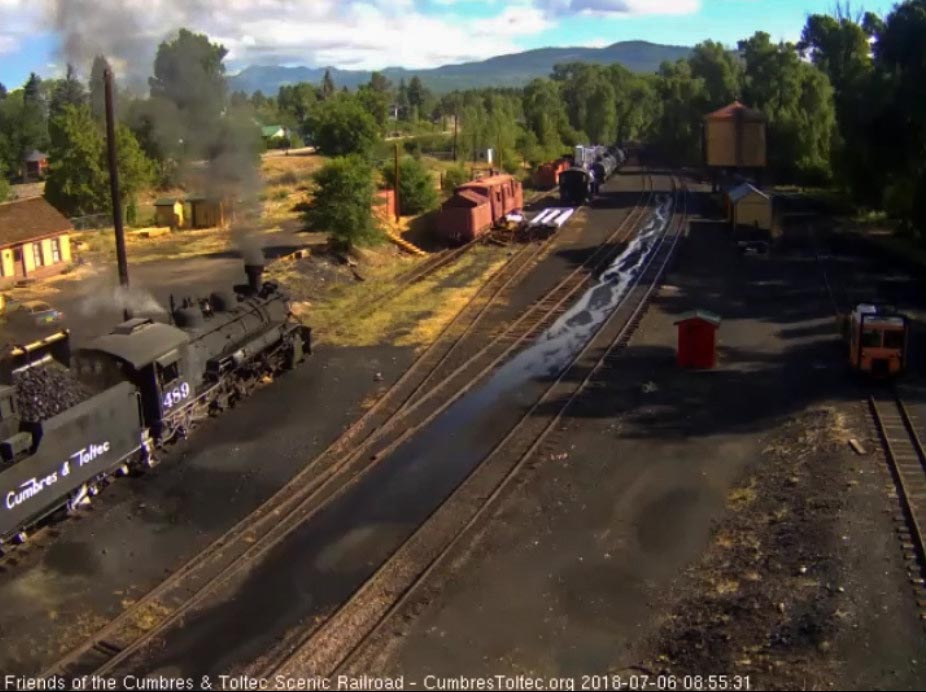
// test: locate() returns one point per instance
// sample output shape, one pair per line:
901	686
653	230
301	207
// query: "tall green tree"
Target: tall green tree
297	100
343	202
545	116
380	83
376	103
417	191
798	100
34	118
342	126
900	54
328	87
4	183
401	99
190	73
677	130
720	70
68	91
78	177
417	95
839	47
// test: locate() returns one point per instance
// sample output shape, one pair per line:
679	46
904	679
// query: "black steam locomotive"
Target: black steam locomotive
64	431
578	185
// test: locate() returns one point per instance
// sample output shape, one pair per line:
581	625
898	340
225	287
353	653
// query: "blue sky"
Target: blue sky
42	35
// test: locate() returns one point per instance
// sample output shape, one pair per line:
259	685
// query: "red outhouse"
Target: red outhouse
697	339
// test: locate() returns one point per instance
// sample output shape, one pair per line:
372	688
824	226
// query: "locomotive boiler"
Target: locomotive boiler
65	431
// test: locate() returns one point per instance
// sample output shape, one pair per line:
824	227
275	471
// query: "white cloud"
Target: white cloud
17	20
618	7
363	34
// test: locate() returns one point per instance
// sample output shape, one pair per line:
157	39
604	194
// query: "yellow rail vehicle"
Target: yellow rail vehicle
878	338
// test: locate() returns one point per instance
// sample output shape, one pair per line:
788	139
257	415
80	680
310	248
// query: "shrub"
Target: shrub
417	193
343	205
454	177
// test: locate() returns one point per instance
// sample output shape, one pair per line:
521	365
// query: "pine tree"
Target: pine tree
68	91
328	87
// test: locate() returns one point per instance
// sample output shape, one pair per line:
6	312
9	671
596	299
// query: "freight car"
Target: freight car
604	167
478	206
64	432
547	175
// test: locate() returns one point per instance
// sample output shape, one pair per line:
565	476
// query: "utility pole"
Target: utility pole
397	207
121	258
456	122
498	153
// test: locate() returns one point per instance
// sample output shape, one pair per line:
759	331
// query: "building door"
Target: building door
19	264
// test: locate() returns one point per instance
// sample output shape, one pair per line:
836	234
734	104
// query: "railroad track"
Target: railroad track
442	259
379	430
331	646
903	453
906	460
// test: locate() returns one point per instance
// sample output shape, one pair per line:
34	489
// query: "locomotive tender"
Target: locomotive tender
145	383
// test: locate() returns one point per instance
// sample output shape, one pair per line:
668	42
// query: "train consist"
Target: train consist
68	423
478	206
591	167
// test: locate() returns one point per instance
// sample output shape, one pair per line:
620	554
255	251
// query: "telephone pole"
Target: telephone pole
397	207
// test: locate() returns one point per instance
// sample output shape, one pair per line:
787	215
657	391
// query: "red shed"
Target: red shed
697	339
384	205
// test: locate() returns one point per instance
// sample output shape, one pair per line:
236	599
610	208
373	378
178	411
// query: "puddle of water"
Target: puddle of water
556	347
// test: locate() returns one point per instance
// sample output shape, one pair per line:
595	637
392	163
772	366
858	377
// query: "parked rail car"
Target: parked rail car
478	206
137	388
877	338
546	176
577	186
604	167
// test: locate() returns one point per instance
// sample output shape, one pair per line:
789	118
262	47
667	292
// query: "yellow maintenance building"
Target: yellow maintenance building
749	206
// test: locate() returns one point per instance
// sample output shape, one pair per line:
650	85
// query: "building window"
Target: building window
37	254
55	250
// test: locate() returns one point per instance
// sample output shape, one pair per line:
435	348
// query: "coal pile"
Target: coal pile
45	391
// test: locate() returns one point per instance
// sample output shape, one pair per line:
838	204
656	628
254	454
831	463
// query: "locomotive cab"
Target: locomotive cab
877	341
150	356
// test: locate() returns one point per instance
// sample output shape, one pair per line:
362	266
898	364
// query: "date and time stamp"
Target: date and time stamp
487	683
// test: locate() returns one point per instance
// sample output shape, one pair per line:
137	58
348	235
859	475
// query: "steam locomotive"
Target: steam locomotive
70	422
581	183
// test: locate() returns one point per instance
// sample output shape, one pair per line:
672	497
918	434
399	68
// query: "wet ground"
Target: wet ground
582	571
142	529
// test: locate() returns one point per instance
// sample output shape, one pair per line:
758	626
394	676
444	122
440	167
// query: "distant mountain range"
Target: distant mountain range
502	71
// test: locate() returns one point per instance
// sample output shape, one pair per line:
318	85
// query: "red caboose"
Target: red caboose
479	205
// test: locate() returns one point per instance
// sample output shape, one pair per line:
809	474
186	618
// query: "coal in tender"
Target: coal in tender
43	392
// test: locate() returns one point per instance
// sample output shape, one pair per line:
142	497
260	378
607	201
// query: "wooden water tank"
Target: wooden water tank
735	137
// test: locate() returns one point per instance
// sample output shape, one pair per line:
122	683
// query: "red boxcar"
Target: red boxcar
479	205
547	175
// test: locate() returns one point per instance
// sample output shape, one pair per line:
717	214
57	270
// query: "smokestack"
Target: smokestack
255	274
114	179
